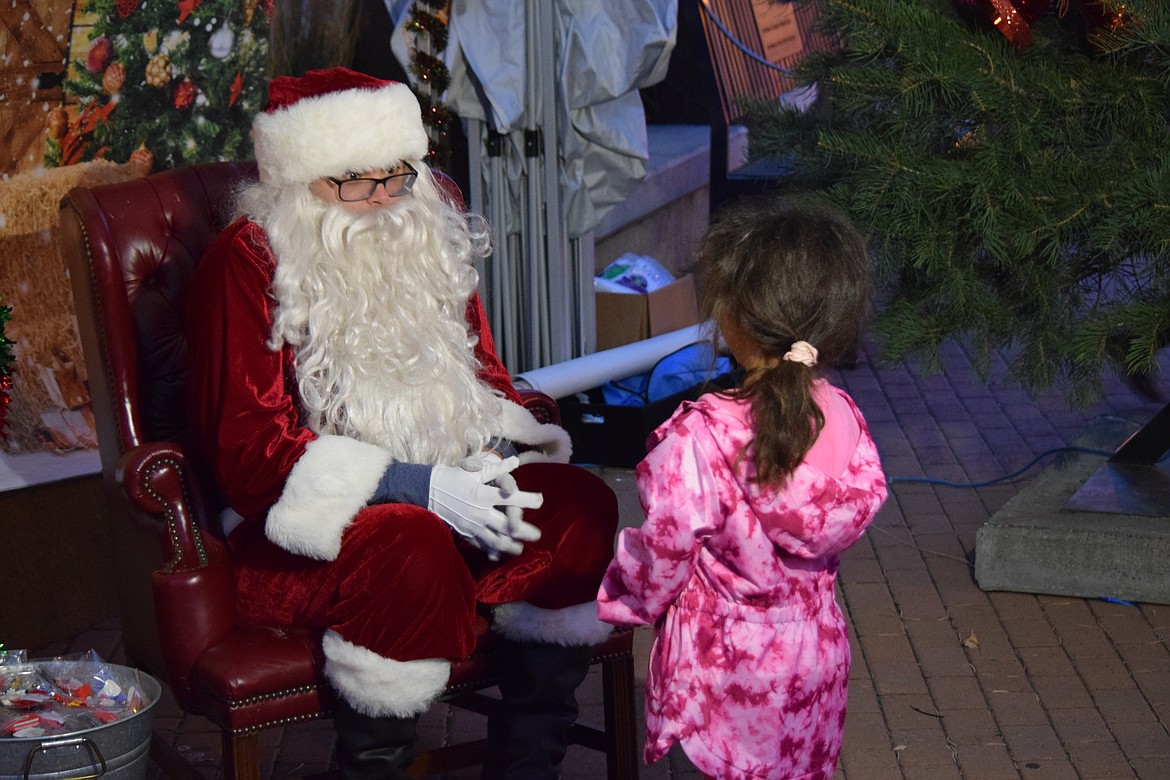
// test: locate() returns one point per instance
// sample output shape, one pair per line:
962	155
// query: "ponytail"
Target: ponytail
785	416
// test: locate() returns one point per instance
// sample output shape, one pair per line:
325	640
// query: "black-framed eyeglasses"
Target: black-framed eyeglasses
396	184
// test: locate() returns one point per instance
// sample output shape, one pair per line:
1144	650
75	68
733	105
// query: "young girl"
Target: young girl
750	497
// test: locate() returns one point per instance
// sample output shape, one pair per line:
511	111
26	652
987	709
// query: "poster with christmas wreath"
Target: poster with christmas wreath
121	88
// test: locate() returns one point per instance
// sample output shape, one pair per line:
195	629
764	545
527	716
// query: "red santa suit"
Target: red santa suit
394	590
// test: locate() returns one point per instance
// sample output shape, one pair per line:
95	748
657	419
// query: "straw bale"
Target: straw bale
49	409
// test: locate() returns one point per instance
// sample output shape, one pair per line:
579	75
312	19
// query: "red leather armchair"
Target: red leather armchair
131	250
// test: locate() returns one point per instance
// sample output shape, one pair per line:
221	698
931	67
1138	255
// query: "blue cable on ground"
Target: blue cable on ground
1017	472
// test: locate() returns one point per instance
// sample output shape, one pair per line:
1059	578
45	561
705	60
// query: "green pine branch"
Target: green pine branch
1016	198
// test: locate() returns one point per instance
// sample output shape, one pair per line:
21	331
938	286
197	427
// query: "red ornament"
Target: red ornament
188	7
1014	18
127	7
184	96
237	88
1102	18
5	398
101	51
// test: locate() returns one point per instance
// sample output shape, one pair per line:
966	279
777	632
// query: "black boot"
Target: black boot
373	748
528	737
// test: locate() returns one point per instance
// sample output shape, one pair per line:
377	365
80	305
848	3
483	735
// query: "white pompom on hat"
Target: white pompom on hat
331	121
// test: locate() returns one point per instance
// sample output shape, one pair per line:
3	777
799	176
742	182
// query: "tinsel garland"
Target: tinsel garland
6	359
428	21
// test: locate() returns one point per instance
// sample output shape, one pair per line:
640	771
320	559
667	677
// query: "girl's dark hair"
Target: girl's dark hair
784	271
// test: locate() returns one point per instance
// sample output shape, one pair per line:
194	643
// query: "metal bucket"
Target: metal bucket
113	750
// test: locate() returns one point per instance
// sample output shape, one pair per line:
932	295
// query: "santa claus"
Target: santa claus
383	480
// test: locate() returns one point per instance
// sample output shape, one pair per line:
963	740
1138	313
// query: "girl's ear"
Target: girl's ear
745	350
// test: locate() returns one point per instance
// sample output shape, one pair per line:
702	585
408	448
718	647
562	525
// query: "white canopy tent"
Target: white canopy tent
557	137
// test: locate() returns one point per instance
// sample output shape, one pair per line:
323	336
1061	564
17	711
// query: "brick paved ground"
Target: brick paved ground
948	681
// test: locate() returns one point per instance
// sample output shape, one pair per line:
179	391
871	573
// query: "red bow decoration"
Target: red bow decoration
1014	18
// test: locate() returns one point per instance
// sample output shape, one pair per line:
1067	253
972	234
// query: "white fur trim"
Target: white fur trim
327	135
382	687
519	426
330	484
572	626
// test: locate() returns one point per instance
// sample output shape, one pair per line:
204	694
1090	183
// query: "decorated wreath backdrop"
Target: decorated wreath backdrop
168	82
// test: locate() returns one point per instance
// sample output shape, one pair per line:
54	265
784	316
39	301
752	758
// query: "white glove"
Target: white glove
466	497
518	529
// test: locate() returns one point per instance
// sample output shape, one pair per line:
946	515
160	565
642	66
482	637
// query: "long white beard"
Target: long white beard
374	308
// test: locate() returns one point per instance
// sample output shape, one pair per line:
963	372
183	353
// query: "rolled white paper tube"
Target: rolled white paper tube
579	374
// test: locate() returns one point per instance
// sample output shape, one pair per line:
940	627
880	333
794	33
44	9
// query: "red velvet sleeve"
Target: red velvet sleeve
491	370
245	421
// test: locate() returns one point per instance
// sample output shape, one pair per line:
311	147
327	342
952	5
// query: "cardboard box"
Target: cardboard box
606	435
623	318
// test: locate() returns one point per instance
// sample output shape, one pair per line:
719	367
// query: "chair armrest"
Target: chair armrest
543	407
154	478
193	590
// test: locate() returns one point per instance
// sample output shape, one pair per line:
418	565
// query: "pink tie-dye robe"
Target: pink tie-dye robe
750	660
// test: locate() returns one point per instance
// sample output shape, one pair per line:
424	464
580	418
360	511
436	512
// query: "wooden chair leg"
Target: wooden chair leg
241	756
621	721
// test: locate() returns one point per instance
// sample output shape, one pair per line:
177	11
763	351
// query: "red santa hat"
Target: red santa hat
331	121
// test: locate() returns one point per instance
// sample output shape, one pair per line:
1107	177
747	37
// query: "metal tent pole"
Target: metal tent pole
559	287
492	203
539	283
539	212
477	200
509	257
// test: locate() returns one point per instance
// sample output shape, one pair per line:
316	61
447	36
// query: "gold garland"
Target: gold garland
428	21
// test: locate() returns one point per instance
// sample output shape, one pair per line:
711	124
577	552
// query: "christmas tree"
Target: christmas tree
6	359
1009	161
171	81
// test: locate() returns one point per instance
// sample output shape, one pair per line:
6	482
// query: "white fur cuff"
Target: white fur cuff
330	484
551	441
382	687
571	627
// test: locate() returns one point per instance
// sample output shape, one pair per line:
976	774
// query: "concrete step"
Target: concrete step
1071	533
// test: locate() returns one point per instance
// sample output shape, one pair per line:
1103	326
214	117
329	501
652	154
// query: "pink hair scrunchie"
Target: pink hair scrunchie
802	352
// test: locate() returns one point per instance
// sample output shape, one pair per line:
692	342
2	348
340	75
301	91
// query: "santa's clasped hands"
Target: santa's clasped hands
468	498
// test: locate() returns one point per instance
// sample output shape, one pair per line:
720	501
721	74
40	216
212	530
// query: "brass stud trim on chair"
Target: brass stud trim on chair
172	526
237	703
281	722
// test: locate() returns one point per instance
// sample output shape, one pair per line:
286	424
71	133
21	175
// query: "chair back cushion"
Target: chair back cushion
138	242
131	249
